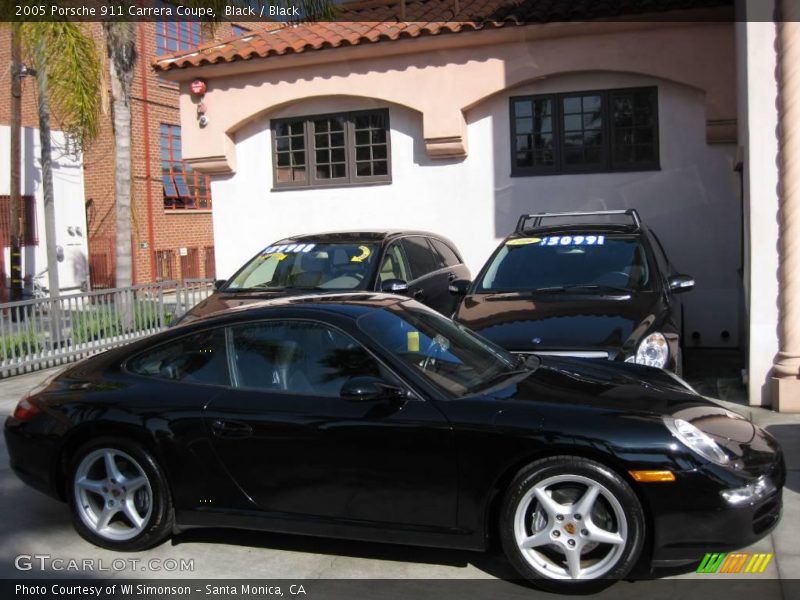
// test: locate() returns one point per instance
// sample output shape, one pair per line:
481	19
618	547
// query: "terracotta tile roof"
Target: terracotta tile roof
371	21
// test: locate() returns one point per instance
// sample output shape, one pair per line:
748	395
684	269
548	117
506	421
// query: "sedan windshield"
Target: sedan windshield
557	263
337	266
449	355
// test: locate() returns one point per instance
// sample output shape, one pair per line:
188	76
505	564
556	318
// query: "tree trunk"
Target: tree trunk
15	264
46	159
121	110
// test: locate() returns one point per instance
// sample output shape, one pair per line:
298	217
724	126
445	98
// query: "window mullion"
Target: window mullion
349	147
310	149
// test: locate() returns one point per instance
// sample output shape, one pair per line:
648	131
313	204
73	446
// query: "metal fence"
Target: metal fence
42	333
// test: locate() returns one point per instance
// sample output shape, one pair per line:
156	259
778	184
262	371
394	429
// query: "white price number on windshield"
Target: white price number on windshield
573	240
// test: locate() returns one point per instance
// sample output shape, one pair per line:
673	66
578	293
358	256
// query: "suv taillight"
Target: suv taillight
26	410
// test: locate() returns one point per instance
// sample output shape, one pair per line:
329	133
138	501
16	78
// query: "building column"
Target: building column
786	370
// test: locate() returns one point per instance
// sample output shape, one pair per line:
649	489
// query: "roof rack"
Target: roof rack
534	220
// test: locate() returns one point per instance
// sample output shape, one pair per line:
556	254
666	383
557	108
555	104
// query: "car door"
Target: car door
429	281
295	447
454	269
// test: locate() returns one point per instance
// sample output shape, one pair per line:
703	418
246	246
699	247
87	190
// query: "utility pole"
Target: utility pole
15	218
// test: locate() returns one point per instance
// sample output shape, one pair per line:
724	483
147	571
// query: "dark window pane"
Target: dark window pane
363	169
524	125
337	139
447	257
420	256
323	156
298	158
321	140
323	172
281	129
380	167
572	104
523	108
572	123
169	186
379	136
362	122
282	144
362	137
298	143
180	183
591	103
573	156
321	125
523	142
284	159
363	153
338	155
339	170
198	358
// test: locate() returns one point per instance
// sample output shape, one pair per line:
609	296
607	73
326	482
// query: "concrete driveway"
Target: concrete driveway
33	525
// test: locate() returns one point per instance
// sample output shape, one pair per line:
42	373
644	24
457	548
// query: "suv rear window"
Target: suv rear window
588	260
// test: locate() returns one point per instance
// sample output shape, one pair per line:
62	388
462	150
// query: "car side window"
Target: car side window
420	256
298	357
447	256
196	358
394	264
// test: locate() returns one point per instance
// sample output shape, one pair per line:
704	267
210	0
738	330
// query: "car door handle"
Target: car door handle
451	276
417	294
231	429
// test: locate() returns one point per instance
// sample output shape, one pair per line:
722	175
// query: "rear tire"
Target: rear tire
119	496
570	524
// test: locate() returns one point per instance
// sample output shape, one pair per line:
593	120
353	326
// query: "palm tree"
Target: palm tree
122	53
67	65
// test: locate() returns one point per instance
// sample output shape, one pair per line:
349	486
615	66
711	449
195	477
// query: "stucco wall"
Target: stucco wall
69	206
692	202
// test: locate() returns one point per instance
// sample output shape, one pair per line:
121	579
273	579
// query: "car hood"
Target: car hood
562	321
642	392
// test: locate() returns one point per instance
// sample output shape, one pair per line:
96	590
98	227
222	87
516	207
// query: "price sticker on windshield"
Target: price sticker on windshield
573	240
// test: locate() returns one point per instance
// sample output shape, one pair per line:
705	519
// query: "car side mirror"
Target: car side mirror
366	389
680	283
394	286
219	283
459	287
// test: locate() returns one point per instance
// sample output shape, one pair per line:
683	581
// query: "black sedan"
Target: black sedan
418	264
369	416
592	285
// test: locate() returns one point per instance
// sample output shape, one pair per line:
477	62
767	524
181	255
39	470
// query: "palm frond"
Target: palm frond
70	55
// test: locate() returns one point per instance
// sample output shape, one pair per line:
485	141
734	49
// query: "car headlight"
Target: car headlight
697	441
653	351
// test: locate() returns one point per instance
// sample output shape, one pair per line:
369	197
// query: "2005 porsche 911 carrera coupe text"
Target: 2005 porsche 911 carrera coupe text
372	417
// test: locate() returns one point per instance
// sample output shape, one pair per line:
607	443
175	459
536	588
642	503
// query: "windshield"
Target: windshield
337	266
449	355
568	261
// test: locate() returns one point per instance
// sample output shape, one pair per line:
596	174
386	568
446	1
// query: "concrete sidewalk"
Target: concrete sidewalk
35	524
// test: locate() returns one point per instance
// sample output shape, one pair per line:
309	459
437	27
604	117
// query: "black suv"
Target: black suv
416	263
594	285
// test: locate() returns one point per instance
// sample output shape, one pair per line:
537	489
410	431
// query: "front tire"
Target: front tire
118	496
571	524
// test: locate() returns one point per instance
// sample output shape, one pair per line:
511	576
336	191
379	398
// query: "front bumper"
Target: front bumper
692	519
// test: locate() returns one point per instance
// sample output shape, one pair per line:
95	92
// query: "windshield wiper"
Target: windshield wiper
261	288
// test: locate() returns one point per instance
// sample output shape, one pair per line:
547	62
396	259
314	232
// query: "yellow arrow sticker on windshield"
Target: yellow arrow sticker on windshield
523	241
361	257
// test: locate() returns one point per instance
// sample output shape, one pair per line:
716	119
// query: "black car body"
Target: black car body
369	416
415	263
590	286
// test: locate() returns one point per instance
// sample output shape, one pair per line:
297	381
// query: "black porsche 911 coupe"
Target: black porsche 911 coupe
372	417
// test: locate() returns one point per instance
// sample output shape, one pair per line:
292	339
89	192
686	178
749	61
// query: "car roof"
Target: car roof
352	304
357	236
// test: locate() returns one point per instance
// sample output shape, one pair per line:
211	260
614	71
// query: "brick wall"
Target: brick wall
153	102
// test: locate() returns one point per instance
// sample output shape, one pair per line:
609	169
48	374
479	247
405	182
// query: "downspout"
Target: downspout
147	166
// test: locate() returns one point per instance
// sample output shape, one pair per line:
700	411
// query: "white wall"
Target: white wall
69	205
692	202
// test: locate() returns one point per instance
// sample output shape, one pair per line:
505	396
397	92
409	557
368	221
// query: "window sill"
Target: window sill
188	211
302	188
